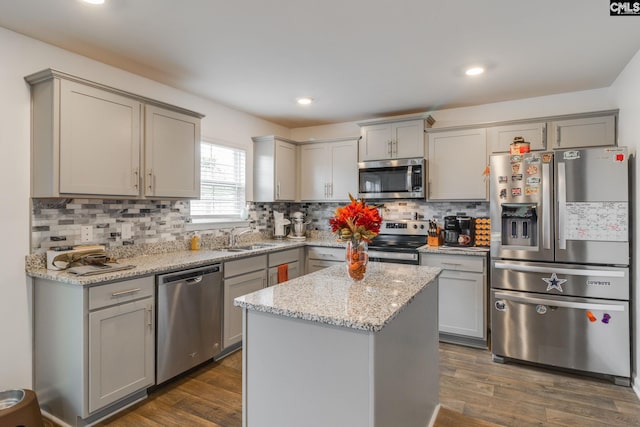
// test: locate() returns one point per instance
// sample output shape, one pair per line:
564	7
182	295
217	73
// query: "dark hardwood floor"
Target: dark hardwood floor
474	392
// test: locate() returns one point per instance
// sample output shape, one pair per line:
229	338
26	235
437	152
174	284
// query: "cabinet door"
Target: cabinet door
586	132
375	143
99	141
285	171
314	166
500	137
172	154
344	170
461	303
121	351
235	287
457	160
407	139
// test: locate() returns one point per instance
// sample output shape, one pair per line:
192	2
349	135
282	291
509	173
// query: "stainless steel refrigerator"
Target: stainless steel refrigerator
560	260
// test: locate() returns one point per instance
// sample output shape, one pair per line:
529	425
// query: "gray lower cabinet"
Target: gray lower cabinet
319	257
241	277
462	297
94	350
290	257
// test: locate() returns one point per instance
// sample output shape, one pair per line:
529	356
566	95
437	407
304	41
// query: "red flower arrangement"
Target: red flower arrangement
356	221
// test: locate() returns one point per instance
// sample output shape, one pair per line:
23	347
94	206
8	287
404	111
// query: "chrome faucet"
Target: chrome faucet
233	235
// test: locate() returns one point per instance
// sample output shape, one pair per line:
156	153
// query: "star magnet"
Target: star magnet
554	283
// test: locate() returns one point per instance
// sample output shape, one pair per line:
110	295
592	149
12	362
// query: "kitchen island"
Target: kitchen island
322	350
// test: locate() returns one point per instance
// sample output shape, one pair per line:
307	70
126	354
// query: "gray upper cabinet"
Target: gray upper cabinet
456	162
599	130
88	140
398	139
499	138
172	154
275	166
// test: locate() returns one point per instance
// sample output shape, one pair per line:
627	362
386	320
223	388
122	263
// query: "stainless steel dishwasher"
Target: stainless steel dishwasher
189	323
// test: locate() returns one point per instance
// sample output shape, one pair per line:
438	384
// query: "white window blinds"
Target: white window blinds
222	181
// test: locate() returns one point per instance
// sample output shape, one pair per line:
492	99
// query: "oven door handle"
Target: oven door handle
558	270
392	255
557	303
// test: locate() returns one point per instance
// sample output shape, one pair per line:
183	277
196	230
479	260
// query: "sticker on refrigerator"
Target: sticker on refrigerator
530	191
571	155
533	180
605	318
546	158
515	167
503	179
591	317
516	159
532	170
503	193
517	177
554	282
516	192
541	309
532	160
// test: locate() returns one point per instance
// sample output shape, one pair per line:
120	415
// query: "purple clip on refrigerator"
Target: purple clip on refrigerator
560	260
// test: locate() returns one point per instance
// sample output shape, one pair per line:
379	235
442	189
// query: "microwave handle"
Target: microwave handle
409	177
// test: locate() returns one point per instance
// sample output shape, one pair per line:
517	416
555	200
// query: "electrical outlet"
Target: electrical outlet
127	231
86	233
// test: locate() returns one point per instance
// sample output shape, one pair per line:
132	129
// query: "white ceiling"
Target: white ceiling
357	58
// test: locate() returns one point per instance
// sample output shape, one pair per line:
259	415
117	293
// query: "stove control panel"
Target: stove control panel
407	227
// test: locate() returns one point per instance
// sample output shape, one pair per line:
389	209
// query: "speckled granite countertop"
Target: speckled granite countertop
329	296
161	263
474	251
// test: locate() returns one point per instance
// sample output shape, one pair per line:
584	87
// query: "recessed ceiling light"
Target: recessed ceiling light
305	100
94	1
474	71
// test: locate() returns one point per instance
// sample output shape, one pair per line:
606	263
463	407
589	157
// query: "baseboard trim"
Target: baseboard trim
434	416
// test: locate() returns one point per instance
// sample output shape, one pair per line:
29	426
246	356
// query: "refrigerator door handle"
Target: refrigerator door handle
562	205
546	207
558	303
559	270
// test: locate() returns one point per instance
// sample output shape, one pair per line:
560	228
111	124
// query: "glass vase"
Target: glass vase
357	257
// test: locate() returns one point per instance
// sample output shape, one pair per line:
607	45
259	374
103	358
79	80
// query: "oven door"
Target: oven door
586	334
391	179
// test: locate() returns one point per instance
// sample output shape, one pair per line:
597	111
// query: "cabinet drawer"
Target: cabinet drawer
245	265
322	252
284	257
454	262
120	292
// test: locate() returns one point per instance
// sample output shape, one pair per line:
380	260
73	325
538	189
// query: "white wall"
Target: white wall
626	93
22	56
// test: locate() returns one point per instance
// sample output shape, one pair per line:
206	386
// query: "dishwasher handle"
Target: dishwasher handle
192	276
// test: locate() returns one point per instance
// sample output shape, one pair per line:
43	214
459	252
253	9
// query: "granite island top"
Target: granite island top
329	296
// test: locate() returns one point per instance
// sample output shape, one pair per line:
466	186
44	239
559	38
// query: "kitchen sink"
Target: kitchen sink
252	247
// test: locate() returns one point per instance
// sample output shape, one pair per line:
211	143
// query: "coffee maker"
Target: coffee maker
458	230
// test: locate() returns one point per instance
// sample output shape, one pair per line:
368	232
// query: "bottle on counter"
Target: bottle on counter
196	242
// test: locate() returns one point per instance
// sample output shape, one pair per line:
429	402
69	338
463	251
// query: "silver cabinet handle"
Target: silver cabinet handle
330	189
150	175
390	148
136	178
558	303
128	291
278	190
150	316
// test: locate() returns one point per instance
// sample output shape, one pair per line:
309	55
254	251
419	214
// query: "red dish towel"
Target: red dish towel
283	273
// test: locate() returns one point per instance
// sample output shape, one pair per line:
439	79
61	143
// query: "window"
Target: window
222	182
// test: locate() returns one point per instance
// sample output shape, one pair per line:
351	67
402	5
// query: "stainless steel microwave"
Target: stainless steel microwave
392	179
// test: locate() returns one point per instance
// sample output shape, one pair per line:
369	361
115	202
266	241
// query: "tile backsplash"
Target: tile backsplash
58	222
